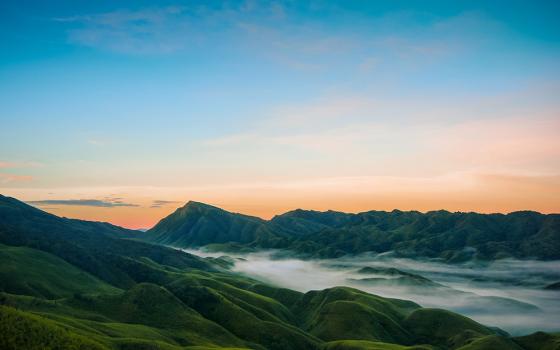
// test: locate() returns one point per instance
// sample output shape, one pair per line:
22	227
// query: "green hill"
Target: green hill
92	247
197	224
75	285
334	314
451	236
32	272
443	328
490	342
368	345
22	330
539	341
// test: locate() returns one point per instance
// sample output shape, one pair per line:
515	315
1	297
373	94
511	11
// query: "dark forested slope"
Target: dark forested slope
67	284
451	236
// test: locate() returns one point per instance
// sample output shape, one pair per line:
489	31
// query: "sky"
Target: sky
122	111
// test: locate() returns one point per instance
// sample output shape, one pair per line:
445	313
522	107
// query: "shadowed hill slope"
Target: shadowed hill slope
133	295
451	236
33	272
91	246
197	224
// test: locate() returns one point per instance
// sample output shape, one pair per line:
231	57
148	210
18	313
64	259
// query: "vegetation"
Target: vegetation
368	345
33	272
539	341
22	330
453	237
69	284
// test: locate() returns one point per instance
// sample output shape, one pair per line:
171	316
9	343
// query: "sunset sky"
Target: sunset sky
123	111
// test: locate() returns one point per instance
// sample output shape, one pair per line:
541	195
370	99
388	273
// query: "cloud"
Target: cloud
8	178
18	165
503	142
499	279
146	31
273	32
165	29
511	132
96	142
83	202
161	203
4	165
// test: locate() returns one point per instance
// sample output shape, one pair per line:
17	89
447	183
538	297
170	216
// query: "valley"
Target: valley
72	284
510	294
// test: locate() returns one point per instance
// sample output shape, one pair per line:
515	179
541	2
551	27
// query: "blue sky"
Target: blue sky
243	103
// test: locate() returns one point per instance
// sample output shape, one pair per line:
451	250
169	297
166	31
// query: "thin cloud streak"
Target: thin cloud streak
83	202
11	178
157	203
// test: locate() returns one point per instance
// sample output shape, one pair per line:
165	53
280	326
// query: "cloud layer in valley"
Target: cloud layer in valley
509	294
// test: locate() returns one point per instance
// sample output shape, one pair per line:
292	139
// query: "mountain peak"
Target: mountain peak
193	207
197	224
195	204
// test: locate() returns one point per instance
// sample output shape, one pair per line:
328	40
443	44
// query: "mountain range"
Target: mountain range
441	234
72	284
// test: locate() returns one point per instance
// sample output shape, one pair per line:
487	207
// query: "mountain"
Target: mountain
91	246
197	224
67	284
435	234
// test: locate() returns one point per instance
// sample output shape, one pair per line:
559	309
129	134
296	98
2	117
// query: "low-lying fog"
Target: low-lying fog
508	294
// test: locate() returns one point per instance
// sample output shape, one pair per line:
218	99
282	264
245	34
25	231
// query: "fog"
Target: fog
508	294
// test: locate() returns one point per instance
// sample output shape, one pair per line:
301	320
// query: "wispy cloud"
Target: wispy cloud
19	165
146	31
96	142
272	31
506	132
161	203
165	29
9	178
83	202
6	165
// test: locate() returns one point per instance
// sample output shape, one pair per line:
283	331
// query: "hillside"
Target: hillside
198	224
167	299
451	236
91	246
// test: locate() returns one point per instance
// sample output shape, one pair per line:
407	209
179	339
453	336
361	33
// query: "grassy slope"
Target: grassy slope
443	328
180	302
92	247
21	330
28	271
333	314
248	319
539	341
207	309
368	345
491	342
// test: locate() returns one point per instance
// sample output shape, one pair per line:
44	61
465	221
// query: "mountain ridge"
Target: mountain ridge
77	285
452	236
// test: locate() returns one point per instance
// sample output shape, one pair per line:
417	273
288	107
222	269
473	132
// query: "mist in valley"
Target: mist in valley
509	294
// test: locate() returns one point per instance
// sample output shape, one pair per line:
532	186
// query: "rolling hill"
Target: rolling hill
75	285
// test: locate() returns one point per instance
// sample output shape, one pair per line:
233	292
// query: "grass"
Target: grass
494	342
444	328
539	341
32	272
69	284
21	330
369	345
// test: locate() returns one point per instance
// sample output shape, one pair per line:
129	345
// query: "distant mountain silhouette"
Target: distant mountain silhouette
442	234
